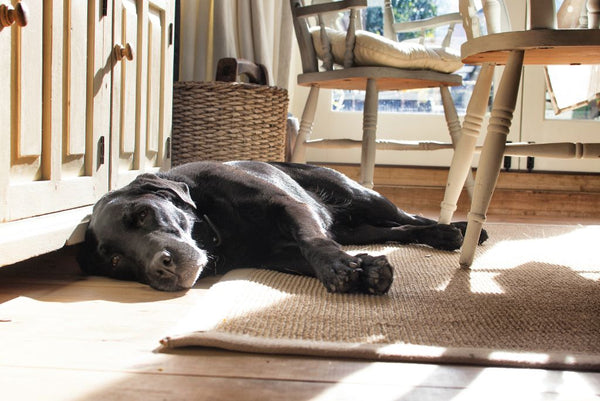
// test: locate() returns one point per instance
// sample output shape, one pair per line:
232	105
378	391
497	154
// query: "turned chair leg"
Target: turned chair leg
367	161
492	154
460	168
455	131
306	125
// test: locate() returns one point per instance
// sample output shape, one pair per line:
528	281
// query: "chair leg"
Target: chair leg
306	124
367	161
492	154
455	131
460	168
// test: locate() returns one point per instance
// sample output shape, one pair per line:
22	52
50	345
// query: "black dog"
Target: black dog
167	229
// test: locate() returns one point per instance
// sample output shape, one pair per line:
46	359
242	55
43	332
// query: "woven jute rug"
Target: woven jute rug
531	299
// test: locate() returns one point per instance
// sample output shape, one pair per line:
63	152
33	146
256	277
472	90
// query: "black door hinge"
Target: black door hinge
101	151
507	160
530	161
168	148
104	8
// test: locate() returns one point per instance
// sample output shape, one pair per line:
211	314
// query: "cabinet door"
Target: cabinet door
142	88
48	152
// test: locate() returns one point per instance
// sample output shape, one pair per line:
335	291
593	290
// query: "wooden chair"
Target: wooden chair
346	65
541	44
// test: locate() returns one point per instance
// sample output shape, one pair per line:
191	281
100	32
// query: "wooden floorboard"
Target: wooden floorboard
69	337
108	386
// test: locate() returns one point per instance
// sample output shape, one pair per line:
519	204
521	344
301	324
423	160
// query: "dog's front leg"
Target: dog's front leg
336	269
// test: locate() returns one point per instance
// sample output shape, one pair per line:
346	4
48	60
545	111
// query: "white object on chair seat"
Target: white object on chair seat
374	50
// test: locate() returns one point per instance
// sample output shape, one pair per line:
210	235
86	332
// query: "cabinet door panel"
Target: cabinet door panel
76	38
124	159
129	132
49	155
5	118
160	88
21	109
142	89
160	83
155	78
27	77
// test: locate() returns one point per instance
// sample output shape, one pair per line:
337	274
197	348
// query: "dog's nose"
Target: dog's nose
162	264
165	258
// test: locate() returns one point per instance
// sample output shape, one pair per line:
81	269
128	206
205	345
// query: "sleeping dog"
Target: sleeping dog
168	229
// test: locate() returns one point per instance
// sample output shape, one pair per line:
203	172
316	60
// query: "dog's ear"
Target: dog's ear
86	253
172	190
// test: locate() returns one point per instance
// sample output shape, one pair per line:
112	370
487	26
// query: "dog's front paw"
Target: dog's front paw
377	274
342	274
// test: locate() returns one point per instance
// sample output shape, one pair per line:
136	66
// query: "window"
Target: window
575	89
420	100
417	116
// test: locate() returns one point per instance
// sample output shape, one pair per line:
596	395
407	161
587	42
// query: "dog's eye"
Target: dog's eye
141	216
114	261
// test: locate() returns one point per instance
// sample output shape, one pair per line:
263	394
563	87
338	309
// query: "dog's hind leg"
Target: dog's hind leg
439	236
371	208
373	218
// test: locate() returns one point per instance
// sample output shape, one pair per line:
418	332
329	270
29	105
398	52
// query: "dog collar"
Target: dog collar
216	237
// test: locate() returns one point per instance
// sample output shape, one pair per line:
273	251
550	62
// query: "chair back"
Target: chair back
301	15
346	44
391	27
495	17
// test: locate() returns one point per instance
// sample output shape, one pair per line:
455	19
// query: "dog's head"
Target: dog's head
143	232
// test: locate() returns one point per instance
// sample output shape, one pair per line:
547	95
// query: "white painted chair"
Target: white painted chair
541	44
349	63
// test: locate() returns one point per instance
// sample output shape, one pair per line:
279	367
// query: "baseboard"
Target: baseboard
518	194
23	239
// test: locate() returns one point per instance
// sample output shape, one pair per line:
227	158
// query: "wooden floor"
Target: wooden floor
67	337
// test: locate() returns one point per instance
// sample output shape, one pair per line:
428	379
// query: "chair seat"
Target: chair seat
387	78
541	46
374	50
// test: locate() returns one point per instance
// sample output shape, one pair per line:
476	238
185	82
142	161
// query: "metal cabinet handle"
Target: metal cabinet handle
9	15
126	52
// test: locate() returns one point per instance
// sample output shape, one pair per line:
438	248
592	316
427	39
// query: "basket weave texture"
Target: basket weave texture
228	121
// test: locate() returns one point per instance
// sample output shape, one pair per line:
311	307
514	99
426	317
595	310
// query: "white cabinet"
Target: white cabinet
76	120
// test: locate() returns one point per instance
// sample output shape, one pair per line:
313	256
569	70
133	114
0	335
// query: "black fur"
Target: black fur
167	230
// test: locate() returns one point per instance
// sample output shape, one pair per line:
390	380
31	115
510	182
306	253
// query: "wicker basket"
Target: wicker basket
228	121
